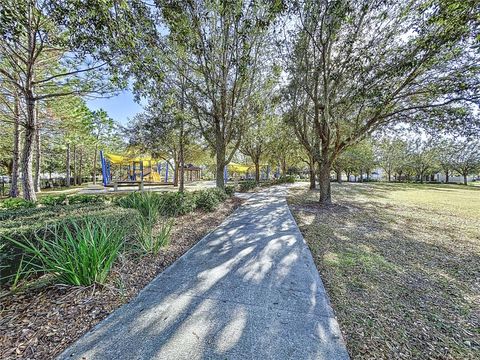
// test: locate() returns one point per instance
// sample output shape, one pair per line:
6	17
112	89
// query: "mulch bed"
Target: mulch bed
41	322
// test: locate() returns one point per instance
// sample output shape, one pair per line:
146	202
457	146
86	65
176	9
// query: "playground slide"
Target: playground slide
155	177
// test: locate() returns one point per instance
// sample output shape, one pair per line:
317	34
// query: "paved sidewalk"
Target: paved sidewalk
249	290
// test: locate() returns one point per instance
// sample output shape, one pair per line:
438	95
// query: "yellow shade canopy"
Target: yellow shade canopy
126	160
241	168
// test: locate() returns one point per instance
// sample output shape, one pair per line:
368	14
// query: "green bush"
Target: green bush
151	241
17	203
78	252
247	185
207	200
52	200
230	190
220	194
288	179
149	204
85	199
31	223
177	203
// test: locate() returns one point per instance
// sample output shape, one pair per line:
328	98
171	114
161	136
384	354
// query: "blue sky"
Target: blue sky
120	108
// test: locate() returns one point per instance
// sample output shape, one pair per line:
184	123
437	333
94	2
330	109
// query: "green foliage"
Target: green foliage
149	204
86	199
288	179
52	200
230	190
78	252
30	223
178	203
151	240
17	203
207	200
247	185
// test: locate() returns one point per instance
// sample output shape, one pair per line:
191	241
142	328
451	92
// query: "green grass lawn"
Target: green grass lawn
401	264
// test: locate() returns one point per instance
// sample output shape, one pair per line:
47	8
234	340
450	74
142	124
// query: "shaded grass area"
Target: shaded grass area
401	264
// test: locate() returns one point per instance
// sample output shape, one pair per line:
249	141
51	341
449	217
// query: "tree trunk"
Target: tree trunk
74	164
181	149
38	152
339	176
67	179
94	177
324	183
176	171
465	181
311	170
361	176
284	166
389	176
348	177
16	147
181	159
447	176
257	172
220	166
80	165
27	156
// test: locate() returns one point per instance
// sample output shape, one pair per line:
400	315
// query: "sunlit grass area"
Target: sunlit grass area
401	264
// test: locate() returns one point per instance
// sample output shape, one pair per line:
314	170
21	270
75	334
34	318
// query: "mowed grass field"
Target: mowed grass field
401	264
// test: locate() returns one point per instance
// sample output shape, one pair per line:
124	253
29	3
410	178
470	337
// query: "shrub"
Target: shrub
247	185
151	241
288	179
149	204
230	190
17	203
177	203
85	199
220	194
52	200
38	222
207	200
79	252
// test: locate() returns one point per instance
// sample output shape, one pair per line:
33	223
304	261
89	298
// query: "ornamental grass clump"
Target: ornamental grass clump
75	252
151	206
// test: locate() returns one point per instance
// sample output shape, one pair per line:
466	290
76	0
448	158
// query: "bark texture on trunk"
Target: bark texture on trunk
74	164
220	166
67	166
465	180
324	184
311	173
16	148
38	153
339	176
27	155
257	172
447	176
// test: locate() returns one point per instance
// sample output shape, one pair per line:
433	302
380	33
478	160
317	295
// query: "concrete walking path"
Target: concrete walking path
248	290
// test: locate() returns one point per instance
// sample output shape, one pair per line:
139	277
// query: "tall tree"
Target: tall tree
367	64
31	40
221	43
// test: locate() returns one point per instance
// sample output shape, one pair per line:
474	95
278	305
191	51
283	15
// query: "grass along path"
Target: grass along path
401	264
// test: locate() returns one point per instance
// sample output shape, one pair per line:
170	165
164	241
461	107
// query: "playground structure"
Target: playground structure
246	170
118	170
